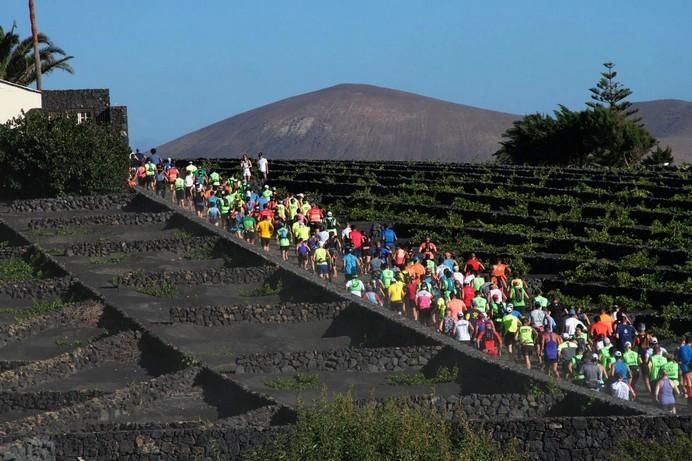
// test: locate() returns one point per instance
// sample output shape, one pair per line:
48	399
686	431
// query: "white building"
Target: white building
16	98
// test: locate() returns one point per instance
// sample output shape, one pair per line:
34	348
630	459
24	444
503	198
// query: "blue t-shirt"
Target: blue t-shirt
389	236
155	159
625	333
262	202
622	369
350	264
685	355
213	212
213	200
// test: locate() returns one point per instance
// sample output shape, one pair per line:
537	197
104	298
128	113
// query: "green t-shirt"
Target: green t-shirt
656	362
510	323
321	256
526	335
478	283
481	303
673	371
542	300
179	183
387	276
249	223
631	358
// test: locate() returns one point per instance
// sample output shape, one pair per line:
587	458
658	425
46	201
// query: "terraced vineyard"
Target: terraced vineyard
130	329
594	237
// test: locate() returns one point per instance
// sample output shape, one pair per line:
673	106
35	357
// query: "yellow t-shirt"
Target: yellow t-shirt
265	229
395	292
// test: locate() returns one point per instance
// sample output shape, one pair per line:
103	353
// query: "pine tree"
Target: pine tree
612	94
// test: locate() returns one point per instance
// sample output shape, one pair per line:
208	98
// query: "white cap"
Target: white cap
654	340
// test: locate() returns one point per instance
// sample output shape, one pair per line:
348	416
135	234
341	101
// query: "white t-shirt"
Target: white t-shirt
262	164
356	287
495	291
189	180
459	277
571	325
463	330
620	390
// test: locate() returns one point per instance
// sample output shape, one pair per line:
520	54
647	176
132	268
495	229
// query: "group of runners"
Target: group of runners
491	308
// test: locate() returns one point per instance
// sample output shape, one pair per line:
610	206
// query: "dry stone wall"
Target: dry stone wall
220	315
376	359
119	219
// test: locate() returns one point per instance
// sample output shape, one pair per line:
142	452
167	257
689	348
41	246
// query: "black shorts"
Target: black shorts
509	339
284	248
526	349
249	234
549	361
180	194
265	241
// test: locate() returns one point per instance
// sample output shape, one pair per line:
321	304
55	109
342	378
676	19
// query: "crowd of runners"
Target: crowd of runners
491	308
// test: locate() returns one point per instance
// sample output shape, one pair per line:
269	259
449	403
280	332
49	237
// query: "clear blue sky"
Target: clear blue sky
180	65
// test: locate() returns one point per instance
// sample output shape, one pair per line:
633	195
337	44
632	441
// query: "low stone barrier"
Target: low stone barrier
89	202
13	252
44	400
489	406
579	438
140	246
122	347
233	275
37	288
258	313
121	401
118	219
376	359
86	313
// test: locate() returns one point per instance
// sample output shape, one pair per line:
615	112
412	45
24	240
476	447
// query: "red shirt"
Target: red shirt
356	238
469	293
474	264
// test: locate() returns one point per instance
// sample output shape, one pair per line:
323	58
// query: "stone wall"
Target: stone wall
488	406
236	275
38	288
582	439
258	313
118	219
121	347
85	313
12	252
139	246
88	202
350	359
44	400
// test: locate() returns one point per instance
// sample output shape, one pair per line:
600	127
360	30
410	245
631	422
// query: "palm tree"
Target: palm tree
17	57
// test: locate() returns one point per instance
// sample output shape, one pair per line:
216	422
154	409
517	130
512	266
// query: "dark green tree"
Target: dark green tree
659	157
46	156
612	94
17	64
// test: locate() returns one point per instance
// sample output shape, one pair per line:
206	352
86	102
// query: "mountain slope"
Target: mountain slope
365	122
352	122
670	120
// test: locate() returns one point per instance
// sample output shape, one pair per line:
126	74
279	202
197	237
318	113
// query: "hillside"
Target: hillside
670	120
365	122
352	122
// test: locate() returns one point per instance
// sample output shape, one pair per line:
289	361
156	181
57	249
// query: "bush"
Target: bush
343	430
676	449
52	156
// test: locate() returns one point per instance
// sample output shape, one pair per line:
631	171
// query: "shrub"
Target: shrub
297	382
343	430
676	449
48	156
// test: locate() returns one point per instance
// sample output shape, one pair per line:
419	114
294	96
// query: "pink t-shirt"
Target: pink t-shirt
424	299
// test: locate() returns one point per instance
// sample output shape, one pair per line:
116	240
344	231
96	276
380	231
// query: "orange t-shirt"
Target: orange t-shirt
456	305
601	328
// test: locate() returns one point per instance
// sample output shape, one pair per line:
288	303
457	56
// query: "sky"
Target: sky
180	65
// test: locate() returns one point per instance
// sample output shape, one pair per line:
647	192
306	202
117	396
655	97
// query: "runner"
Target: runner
266	231
526	337
489	340
263	165
320	264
